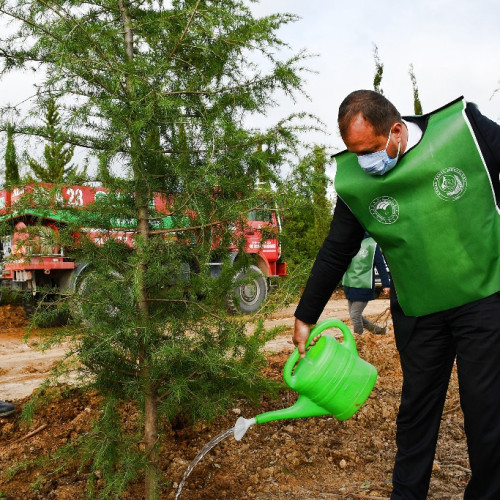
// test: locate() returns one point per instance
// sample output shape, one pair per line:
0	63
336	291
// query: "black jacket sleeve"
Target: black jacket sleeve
487	133
338	249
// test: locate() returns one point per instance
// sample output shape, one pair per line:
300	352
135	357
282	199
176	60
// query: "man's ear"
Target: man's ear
397	129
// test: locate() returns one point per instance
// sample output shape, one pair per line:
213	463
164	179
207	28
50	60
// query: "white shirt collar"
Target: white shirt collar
414	134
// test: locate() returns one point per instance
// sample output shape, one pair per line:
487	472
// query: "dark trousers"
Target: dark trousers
471	334
356	309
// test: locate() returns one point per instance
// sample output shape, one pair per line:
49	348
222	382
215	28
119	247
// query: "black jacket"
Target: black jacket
346	233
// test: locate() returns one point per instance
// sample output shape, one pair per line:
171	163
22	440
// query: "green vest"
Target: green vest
434	215
359	274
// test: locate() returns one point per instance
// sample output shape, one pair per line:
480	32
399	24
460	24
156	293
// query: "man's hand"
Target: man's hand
300	336
386	292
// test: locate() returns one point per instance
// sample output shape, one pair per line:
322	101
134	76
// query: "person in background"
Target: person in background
359	284
427	189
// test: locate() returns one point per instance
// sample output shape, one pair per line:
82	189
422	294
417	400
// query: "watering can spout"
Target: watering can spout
303	407
241	427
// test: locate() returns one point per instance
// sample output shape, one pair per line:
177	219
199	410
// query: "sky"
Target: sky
454	47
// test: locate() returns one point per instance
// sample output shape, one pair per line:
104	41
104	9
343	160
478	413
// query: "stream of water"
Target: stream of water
203	452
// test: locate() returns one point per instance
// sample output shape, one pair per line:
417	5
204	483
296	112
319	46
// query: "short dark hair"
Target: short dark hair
374	108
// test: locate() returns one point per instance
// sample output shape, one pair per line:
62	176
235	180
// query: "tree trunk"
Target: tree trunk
151	397
150	437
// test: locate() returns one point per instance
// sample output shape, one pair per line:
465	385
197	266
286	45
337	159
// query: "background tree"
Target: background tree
322	206
57	153
12	176
379	71
307	212
161	89
417	106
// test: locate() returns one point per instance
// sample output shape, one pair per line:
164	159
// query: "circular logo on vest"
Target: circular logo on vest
385	209
363	253
450	184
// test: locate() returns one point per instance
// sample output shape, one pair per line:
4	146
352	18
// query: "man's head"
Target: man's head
369	123
372	106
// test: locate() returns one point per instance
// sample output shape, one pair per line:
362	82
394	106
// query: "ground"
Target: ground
302	459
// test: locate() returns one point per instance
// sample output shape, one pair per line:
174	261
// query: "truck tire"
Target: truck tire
94	313
249	296
85	285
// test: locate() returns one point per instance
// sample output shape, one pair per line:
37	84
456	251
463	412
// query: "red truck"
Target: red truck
29	259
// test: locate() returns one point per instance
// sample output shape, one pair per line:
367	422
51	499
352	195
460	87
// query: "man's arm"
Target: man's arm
333	259
487	133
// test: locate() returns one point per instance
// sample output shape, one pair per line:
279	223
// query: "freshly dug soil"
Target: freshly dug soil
12	317
313	458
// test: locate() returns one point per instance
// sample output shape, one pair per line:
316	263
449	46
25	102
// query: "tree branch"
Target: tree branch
221	90
67	15
187	302
185	30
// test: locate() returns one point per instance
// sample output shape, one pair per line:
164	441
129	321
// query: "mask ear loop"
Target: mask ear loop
388	139
387	144
399	149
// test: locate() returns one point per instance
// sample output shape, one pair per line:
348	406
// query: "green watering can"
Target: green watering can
331	380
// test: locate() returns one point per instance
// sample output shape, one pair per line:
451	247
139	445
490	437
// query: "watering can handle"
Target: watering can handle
348	342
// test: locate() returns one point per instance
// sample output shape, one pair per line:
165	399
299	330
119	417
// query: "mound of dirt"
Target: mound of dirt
12	317
313	458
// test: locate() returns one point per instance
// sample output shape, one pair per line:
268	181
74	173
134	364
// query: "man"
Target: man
427	189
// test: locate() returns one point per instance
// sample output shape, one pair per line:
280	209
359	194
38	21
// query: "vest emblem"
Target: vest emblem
363	253
385	209
450	184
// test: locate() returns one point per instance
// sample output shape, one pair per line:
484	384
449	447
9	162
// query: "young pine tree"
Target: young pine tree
12	176
417	105
161	90
306	209
57	153
322	206
379	71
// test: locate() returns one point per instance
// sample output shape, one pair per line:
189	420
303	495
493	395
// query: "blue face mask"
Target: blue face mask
380	162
